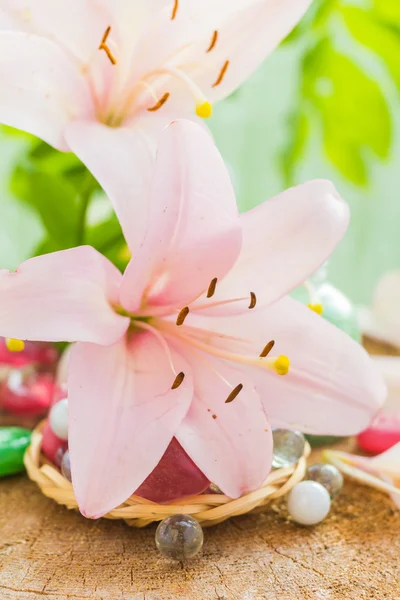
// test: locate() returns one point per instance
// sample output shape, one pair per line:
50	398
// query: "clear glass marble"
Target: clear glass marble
66	466
328	476
308	503
179	537
58	419
288	447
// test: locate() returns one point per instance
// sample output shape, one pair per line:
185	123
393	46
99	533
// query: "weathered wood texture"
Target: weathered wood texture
49	553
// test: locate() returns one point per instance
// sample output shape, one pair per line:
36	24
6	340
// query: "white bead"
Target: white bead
308	503
58	419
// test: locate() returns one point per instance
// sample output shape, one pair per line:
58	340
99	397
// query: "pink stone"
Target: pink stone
41	353
27	392
52	446
175	477
382	435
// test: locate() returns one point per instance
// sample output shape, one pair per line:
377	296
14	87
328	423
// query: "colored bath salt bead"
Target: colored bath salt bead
288	447
13	444
58	419
308	503
382	435
40	353
26	392
175	477
179	537
52	446
66	466
328	476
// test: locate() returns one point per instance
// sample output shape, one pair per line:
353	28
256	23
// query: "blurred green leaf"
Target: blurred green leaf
383	40
389	10
299	126
55	200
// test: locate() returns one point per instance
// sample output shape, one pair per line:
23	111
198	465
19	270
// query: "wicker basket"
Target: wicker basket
207	509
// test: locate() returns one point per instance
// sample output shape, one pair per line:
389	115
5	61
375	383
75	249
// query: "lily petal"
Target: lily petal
64	296
42	89
231	443
195	224
123	414
332	388
285	240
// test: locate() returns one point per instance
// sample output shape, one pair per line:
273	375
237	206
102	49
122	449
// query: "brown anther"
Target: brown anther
178	380
213	41
182	316
175	10
234	393
160	103
211	288
267	349
253	300
103	46
221	75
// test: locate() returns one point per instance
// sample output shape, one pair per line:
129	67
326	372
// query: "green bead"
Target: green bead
13	444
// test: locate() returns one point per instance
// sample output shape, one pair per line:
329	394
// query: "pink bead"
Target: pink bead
52	446
382	435
41	353
27	393
175	477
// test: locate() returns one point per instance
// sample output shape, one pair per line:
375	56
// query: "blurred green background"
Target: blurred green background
325	104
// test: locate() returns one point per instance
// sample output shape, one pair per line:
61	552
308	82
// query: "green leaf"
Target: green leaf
383	40
389	10
299	129
55	200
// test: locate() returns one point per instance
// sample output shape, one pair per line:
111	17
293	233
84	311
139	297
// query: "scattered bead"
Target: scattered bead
58	419
179	537
328	476
382	434
13	443
66	466
39	353
52	446
308	503
288	447
175	477
27	392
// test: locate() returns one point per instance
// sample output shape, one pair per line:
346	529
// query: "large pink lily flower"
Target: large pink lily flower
182	344
129	63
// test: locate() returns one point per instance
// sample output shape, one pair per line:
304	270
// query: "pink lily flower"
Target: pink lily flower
129	63
181	344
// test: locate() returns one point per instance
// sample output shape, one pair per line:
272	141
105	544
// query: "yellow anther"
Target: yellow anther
282	365
15	345
317	308
204	110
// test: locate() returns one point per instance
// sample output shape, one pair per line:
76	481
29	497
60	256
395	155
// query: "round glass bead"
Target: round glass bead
179	537
288	447
52	446
328	476
308	503
66	466
58	419
27	392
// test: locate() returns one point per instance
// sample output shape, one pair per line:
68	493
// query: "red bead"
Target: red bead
52	446
382	435
175	477
41	353
26	393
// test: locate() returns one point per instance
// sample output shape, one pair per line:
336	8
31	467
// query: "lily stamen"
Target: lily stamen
160	103
213	41
253	300
211	288
182	316
234	393
105	47
14	345
175	10
267	349
221	75
178	380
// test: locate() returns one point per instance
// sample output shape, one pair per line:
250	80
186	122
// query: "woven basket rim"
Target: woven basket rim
208	509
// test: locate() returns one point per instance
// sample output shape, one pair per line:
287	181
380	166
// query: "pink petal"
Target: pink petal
121	161
333	386
64	296
247	33
195	223
231	443
42	89
123	414
285	240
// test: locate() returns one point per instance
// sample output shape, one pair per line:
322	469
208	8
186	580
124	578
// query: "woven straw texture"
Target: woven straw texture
208	509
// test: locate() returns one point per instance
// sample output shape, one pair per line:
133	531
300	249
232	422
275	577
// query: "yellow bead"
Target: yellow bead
15	345
282	365
204	110
317	308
